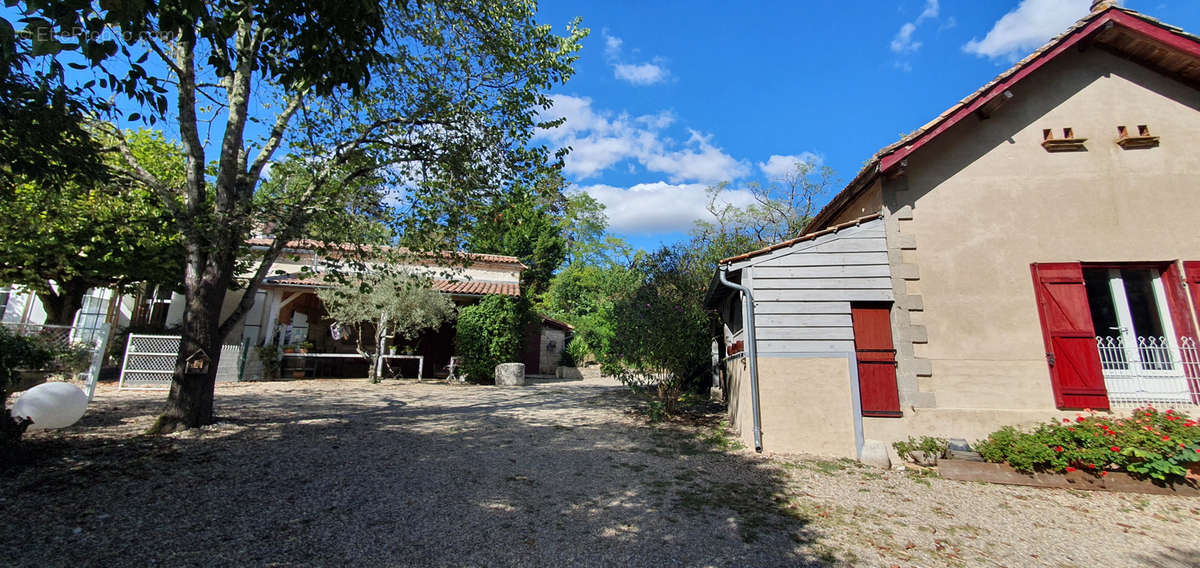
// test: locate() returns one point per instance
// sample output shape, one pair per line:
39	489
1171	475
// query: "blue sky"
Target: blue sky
670	97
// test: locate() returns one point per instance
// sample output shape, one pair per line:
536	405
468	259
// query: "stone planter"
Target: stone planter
962	470
510	374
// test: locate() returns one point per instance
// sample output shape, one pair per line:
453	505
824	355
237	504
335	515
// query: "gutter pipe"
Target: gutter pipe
751	351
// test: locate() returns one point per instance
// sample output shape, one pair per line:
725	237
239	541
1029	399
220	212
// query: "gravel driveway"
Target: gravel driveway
318	473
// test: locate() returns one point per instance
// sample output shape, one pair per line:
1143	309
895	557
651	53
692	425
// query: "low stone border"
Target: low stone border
962	470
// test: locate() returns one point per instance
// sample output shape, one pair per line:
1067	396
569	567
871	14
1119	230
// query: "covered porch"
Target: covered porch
289	315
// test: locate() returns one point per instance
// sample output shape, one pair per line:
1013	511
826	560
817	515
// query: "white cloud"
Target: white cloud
599	140
659	206
904	42
778	166
641	74
1027	27
612	45
700	161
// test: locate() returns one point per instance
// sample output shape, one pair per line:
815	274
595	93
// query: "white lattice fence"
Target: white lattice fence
150	361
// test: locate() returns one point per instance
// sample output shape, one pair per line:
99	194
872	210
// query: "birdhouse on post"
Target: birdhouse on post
197	363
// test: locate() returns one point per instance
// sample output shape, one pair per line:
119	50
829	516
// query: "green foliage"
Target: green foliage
271	361
929	446
584	296
662	339
21	353
489	333
391	305
1153	444
108	235
522	224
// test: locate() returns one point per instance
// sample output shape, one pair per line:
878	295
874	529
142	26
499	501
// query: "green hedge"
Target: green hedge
1150	443
489	333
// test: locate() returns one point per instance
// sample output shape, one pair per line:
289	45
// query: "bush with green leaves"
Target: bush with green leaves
662	341
19	353
929	446
1154	444
489	333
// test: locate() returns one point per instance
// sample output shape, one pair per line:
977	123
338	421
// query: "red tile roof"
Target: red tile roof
311	245
1132	34
454	288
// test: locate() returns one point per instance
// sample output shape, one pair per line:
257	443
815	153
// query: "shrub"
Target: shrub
1149	443
928	445
18	353
662	346
490	333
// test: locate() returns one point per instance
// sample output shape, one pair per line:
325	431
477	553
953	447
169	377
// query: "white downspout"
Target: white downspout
751	351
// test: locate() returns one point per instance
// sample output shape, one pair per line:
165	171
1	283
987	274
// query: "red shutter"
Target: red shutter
1069	336
1191	275
1177	303
876	360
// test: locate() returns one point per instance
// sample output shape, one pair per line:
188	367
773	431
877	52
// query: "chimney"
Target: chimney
1102	5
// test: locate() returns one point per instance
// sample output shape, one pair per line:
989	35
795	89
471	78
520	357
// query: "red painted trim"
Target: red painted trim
1155	32
1177	302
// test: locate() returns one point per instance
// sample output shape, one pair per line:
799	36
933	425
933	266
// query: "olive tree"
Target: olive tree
389	305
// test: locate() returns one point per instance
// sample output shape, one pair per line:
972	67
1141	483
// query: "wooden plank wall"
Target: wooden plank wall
802	293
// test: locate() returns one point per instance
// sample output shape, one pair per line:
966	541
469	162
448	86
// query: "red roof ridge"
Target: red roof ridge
892	155
801	238
311	244
469	287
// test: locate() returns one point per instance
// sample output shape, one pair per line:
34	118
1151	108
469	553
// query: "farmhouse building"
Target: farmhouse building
1033	250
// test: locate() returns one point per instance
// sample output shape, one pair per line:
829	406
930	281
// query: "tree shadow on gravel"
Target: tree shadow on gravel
400	479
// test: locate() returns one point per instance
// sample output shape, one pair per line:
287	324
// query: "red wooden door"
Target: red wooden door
876	360
1069	337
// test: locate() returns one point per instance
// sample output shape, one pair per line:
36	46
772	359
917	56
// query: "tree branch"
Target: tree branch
273	140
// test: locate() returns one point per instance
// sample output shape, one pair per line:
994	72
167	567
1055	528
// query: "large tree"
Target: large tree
439	97
63	239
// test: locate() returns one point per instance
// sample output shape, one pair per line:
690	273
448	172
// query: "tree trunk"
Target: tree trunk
380	341
61	306
190	402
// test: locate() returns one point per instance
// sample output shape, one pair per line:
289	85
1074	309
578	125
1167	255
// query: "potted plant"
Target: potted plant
304	346
289	348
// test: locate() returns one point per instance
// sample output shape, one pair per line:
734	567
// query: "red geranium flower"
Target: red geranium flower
1058	448
1115	449
1080	419
1070	469
1103	473
1166	437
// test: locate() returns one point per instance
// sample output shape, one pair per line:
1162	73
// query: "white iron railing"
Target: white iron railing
1157	370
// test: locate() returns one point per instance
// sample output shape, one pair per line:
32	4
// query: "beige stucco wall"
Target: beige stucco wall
987	201
792	419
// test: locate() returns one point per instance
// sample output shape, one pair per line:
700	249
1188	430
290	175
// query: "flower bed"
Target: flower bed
1149	444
